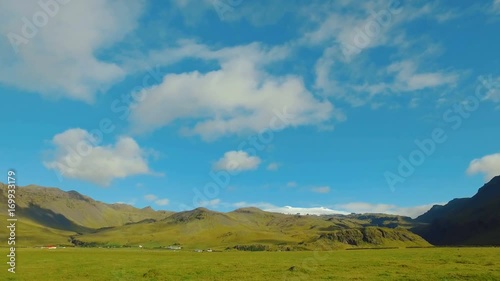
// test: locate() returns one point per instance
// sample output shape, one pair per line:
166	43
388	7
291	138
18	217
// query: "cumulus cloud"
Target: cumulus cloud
55	53
362	207
237	161
488	165
239	97
153	198
78	155
321	189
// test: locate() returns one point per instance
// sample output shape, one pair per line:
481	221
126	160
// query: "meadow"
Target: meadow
143	264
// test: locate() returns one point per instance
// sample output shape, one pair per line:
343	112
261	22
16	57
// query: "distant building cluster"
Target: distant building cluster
200	250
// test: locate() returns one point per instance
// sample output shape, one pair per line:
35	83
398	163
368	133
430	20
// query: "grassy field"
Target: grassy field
137	264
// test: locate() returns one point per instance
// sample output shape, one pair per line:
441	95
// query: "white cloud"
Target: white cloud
240	97
361	26
58	58
77	155
237	161
493	86
162	202
260	205
342	209
361	208
304	211
255	12
402	77
495	7
488	165
291	184
273	166
210	203
321	189
130	202
150	197
346	30
407	78
448	15
156	200
268	207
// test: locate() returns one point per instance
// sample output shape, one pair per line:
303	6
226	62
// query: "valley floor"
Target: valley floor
136	264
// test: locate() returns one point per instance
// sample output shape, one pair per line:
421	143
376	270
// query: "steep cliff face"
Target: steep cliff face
466	221
375	236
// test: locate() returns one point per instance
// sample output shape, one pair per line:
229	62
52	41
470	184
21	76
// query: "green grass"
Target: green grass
135	264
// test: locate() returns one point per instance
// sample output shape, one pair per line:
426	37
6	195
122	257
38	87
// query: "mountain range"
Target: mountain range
52	216
465	221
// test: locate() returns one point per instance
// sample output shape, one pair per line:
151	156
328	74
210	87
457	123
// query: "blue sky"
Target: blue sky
317	107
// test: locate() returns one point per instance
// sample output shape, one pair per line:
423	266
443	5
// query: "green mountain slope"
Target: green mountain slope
242	228
31	233
52	216
466	221
45	211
